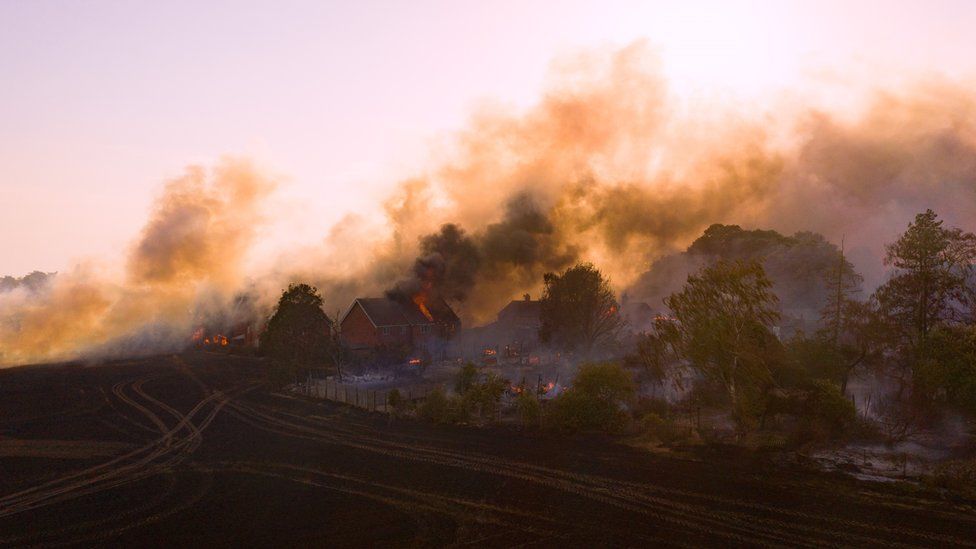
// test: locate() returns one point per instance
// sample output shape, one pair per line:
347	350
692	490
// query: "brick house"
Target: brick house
519	323
379	322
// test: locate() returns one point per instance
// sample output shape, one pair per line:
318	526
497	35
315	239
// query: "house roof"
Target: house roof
383	311
521	308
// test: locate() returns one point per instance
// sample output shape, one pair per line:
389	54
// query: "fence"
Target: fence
373	400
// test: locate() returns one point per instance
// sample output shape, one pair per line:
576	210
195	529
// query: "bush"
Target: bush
437	407
826	413
397	404
529	409
466	378
958	477
657	406
664	430
596	400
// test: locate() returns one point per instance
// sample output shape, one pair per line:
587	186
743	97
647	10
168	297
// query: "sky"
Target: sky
101	102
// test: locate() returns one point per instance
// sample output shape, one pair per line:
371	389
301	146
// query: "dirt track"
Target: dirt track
204	455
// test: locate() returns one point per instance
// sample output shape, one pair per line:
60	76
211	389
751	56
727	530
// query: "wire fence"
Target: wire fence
373	400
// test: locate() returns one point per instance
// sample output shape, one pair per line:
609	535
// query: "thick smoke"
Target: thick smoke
609	167
185	267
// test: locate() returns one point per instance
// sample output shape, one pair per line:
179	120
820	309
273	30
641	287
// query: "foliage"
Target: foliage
466	377
862	341
820	410
529	409
956	476
828	409
478	398
843	283
578	310
397	404
946	370
664	429
797	265
299	332
932	265
436	407
721	326
654	356
596	400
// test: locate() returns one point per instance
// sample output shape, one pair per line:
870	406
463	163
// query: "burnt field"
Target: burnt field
194	450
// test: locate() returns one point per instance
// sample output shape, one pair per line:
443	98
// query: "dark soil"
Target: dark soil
212	457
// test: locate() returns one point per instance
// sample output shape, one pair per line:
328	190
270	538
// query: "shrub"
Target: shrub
466	378
529	409
958	477
826	413
397	404
436	407
664	430
596	400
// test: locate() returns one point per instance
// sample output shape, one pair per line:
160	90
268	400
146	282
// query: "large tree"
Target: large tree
931	281
578	310
722	326
299	332
850	332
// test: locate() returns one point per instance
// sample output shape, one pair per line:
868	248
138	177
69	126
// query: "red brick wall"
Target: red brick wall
357	330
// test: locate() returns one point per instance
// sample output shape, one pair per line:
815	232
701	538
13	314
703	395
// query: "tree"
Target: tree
933	264
850	332
843	283
299	332
721	325
578	310
947	373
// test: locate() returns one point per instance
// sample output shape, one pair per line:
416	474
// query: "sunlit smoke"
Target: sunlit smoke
610	167
187	263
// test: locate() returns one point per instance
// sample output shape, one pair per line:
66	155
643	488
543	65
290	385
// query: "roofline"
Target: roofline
371	321
426	322
353	306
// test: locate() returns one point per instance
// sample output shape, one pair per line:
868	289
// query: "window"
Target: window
385	330
403	330
425	329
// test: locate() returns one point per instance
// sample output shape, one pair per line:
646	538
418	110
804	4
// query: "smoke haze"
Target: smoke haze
607	167
185	265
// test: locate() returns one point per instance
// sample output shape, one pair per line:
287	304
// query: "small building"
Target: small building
519	322
371	323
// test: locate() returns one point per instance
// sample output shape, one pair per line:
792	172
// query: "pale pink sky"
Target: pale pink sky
101	101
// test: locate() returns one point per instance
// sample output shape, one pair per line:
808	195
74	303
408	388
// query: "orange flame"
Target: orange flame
419	300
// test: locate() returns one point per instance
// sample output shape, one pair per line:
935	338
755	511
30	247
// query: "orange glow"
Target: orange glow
420	301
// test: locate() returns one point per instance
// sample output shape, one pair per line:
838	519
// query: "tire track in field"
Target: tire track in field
126	468
740	533
785	529
639	491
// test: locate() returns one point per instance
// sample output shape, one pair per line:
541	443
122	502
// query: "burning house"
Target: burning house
422	326
513	334
519	322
